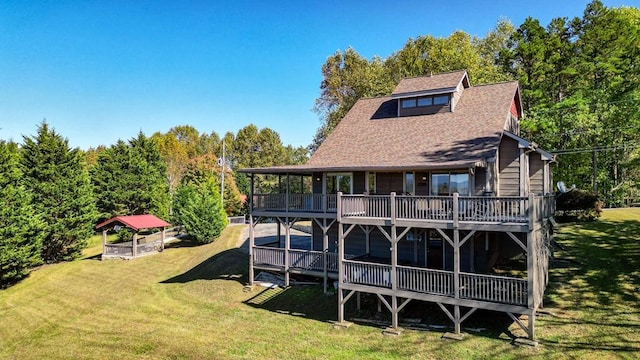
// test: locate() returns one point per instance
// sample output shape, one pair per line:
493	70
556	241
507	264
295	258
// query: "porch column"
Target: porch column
394	262
340	267
287	246
532	280
251	244
325	253
456	263
251	232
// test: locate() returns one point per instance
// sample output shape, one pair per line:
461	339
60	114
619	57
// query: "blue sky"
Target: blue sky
100	71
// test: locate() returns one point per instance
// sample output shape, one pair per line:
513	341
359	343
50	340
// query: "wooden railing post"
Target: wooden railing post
531	211
455	209
251	244
392	204
339	206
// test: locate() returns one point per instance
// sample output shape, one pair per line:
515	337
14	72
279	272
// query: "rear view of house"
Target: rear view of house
418	196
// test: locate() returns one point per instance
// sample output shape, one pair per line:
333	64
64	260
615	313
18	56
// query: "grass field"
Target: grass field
189	302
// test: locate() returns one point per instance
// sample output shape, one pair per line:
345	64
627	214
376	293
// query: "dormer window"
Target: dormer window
441	100
425	101
408	103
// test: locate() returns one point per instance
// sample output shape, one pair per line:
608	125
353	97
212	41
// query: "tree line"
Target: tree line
53	195
579	81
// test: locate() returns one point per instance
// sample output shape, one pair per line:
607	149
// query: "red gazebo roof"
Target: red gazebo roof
136	222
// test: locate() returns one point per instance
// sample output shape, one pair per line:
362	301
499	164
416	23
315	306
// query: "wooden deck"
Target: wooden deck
467	212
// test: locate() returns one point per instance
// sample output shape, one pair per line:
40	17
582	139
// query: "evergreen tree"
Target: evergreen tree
21	228
130	179
60	184
198	208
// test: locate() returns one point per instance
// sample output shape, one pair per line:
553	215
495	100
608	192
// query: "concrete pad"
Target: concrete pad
452	336
342	325
391	331
525	342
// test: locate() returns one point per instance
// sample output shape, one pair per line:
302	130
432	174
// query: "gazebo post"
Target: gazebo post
135	244
104	241
162	237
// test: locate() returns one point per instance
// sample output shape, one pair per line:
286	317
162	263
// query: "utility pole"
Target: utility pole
222	175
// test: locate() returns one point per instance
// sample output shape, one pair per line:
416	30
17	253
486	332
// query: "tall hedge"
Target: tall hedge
21	227
59	182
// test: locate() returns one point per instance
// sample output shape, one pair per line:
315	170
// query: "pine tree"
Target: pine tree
21	228
56	176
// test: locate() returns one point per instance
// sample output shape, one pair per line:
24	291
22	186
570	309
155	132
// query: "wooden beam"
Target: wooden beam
349	295
384	233
351	227
446	311
404	303
469	235
403	233
471	311
519	322
517	241
384	301
444	236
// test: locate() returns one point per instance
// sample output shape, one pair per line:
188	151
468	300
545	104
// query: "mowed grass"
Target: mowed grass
190	302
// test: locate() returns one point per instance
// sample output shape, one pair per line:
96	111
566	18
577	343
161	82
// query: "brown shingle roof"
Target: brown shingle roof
372	137
426	83
465	136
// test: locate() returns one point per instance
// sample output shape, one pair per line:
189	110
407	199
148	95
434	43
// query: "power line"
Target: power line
592	149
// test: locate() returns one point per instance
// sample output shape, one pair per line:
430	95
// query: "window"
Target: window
446	184
408	103
425	101
340	182
441	100
409	183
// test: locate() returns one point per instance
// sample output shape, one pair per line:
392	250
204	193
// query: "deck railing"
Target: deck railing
295	202
490	288
364	273
423	280
493	288
501	209
268	256
306	259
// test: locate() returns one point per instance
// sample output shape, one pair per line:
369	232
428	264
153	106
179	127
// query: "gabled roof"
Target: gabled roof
371	137
136	222
431	84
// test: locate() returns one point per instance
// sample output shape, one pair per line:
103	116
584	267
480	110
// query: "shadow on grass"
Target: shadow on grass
597	280
230	264
606	256
311	302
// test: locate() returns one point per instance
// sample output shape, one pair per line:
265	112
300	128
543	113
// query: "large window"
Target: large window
409	187
339	182
445	184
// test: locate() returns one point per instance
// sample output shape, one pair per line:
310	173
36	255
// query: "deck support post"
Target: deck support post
325	254
251	243
456	316
532	318
340	266
251	232
162	237
287	247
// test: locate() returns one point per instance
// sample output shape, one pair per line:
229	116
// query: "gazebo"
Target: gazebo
133	249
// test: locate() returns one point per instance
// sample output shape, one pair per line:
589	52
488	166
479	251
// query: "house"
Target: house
419	196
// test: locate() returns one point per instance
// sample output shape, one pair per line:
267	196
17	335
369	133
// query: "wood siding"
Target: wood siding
536	174
509	168
386	183
359	182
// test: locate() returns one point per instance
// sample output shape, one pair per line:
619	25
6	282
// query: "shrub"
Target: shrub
578	205
198	208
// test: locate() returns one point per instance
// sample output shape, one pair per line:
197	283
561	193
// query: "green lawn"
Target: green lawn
189	302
